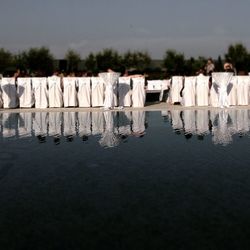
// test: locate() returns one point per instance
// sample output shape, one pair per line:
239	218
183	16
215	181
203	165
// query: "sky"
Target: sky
192	27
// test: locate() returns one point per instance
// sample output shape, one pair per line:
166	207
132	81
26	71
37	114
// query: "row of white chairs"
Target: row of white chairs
44	92
195	91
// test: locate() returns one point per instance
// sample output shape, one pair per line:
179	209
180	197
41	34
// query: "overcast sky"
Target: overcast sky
192	27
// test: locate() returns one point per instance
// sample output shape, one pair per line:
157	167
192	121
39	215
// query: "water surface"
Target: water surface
125	180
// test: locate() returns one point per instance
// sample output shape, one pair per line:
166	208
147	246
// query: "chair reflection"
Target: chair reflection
222	125
113	128
109	127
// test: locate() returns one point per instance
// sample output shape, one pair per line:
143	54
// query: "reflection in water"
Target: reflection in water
221	124
113	128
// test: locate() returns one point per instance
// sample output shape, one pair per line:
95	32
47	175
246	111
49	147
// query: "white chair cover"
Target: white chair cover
124	91
1	99
188	99
9	92
138	92
222	80
110	80
202	90
176	86
97	92
40	89
243	83
25	92
214	95
84	92
232	91
165	86
69	92
55	92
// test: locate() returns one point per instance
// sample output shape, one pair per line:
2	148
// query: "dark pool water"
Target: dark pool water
115	180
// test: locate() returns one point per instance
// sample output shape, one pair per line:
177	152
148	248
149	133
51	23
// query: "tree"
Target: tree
90	63
108	58
136	60
219	64
239	56
6	60
73	60
174	62
38	60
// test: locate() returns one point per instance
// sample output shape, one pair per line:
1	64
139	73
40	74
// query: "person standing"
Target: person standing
209	67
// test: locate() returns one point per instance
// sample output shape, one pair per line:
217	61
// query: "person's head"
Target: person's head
209	60
228	67
200	71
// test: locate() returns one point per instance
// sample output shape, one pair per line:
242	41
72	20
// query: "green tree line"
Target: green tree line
40	61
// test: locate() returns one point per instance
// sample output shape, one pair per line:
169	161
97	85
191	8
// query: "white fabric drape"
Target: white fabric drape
202	90
84	92
69	92
55	92
9	92
124	91
243	83
97	92
176	86
40	89
188	99
165	86
222	80
25	92
110	81
138	92
1	99
232	91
